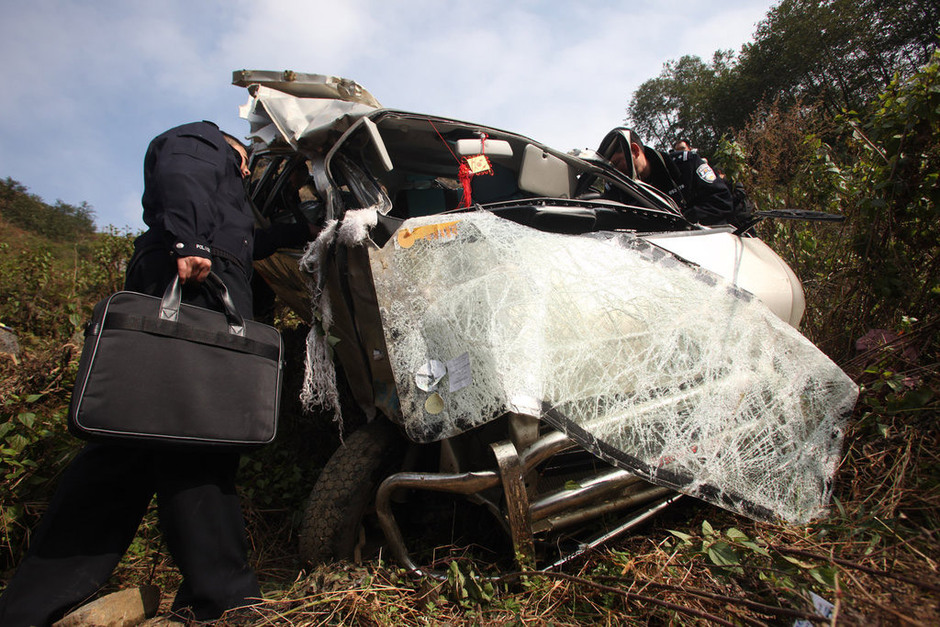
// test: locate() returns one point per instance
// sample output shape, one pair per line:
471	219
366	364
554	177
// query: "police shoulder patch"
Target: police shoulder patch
706	173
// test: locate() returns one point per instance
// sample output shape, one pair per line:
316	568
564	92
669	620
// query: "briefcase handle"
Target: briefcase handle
170	305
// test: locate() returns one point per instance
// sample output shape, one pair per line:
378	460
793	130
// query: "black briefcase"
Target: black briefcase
155	371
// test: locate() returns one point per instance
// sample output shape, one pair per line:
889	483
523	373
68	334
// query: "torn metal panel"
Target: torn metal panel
296	108
303	85
663	368
274	115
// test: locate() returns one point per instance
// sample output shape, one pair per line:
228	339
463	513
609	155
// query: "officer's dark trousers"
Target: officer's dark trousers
103	495
94	516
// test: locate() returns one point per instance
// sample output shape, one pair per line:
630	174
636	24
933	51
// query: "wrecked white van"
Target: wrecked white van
565	363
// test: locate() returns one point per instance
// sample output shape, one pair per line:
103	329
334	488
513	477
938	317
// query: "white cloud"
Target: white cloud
96	82
317	37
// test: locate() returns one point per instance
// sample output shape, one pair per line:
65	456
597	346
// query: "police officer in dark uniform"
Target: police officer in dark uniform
199	218
682	175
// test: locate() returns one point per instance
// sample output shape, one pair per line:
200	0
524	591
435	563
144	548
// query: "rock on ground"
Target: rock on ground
126	608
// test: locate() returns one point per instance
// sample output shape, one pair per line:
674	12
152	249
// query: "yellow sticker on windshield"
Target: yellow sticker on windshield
444	230
434	404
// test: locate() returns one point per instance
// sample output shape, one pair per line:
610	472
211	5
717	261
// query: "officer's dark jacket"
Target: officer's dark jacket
195	202
686	178
194	199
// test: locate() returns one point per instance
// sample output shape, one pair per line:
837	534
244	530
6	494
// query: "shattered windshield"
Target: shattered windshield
657	366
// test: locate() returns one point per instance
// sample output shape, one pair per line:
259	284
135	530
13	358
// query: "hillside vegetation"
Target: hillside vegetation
51	274
875	278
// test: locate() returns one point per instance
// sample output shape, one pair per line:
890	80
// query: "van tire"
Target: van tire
344	493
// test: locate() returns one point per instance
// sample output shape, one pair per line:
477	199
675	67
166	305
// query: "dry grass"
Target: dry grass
875	557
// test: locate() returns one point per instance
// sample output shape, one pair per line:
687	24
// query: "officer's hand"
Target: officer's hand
195	268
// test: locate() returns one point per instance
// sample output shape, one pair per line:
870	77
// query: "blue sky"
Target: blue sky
90	83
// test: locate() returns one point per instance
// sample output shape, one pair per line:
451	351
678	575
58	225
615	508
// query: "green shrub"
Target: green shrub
48	290
61	221
880	169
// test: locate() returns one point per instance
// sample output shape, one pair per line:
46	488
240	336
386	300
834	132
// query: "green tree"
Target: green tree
879	168
841	53
834	54
678	103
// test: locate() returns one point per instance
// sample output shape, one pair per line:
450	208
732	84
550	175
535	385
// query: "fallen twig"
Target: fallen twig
753	605
630	595
869	598
856	566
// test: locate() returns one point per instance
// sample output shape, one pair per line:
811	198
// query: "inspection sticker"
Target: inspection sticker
459	375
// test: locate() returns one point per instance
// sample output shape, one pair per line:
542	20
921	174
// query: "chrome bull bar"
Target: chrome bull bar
527	514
